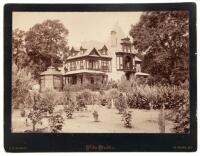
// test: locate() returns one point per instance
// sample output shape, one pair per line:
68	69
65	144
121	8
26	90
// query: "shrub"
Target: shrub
174	98
113	93
83	99
104	102
109	103
23	113
68	103
126	119
147	97
49	99
56	122
69	109
41	105
21	83
182	115
96	116
120	103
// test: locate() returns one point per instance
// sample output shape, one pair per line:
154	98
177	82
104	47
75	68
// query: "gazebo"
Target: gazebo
51	79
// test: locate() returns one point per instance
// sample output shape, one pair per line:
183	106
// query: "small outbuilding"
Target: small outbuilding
51	79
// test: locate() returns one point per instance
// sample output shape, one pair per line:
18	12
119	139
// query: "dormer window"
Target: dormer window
104	50
82	50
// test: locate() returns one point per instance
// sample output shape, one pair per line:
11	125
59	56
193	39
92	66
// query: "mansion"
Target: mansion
95	63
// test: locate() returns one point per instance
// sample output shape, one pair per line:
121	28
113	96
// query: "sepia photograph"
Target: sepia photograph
100	72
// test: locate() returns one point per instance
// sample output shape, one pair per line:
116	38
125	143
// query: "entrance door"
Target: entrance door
74	79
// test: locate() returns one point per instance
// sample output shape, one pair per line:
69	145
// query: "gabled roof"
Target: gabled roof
94	52
91	51
84	71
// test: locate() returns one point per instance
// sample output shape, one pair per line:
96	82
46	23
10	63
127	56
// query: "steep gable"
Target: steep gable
104	50
94	52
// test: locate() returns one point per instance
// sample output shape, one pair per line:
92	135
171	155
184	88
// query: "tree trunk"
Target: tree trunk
34	126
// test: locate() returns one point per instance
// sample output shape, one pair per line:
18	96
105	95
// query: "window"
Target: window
104	65
73	66
96	65
57	82
120	62
90	64
74	79
138	68
104	52
81	65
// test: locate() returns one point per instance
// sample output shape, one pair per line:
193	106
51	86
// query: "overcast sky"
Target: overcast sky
82	26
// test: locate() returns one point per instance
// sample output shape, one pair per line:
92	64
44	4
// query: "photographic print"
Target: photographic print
101	72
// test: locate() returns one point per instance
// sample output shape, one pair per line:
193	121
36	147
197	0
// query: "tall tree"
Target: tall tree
20	57
164	37
46	44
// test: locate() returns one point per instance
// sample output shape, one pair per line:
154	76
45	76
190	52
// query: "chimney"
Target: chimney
113	38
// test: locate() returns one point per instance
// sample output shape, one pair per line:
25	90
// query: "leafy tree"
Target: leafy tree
46	44
21	83
42	105
20	57
163	38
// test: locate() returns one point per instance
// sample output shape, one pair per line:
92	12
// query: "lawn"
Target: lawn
143	121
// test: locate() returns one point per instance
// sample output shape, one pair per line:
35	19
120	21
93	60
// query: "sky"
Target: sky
82	26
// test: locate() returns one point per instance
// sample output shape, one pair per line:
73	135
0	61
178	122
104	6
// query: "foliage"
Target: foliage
126	118
121	103
104	102
20	57
92	87
109	103
113	93
49	99
163	37
143	96
181	115
124	85
173	98
83	99
36	112
41	106
23	113
68	103
45	45
21	84
87	96
56	122
95	115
